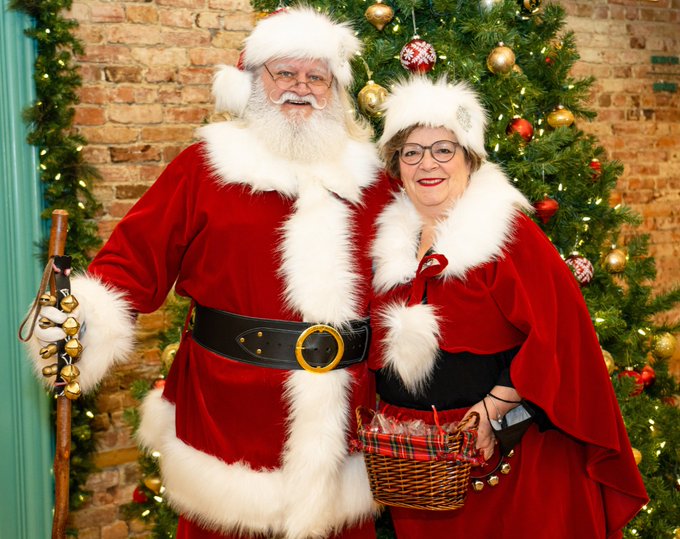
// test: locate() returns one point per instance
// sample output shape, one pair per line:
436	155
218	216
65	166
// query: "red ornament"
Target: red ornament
639	384
546	208
648	375
159	384
138	496
549	60
522	127
582	269
596	167
418	56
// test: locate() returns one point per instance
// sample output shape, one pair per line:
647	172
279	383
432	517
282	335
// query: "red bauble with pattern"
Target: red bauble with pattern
546	208
596	167
639	384
138	496
582	269
648	375
418	56
522	127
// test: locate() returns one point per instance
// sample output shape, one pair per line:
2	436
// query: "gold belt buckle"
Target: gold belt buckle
300	346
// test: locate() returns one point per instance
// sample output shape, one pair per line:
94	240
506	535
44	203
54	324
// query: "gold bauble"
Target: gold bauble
168	354
615	261
608	361
371	98
69	304
493	480
47	300
73	348
477	485
69	373
71	326
663	346
560	117
153	483
637	456
72	390
379	14
501	60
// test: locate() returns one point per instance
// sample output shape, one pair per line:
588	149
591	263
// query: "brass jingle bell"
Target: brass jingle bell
48	351
69	304
71	326
477	485
45	323
69	373
47	300
73	348
493	480
50	370
72	390
511	453
505	468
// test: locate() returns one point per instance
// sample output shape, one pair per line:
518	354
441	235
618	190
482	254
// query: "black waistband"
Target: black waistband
272	343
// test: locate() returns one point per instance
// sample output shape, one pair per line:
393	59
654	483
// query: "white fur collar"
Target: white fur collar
473	232
238	156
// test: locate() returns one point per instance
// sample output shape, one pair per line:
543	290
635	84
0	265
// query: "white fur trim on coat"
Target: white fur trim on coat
319	488
107	336
411	344
237	156
419	101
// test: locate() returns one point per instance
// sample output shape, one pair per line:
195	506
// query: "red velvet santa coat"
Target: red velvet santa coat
506	286
239	229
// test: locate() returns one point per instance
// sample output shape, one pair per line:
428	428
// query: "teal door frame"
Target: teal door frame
25	433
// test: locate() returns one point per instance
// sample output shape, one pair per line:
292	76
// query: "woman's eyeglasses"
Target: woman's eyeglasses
442	151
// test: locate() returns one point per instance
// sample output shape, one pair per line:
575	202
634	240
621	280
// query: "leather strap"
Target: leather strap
272	343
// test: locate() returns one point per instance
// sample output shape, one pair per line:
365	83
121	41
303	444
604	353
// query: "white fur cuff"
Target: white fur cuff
107	332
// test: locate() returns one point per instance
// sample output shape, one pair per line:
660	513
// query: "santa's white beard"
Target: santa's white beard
298	136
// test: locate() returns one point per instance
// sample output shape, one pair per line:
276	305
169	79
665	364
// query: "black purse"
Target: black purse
512	426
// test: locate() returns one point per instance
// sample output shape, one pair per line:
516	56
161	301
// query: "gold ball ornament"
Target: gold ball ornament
615	261
663	346
72	390
168	354
608	361
371	98
637	456
379	14
501	60
560	117
153	483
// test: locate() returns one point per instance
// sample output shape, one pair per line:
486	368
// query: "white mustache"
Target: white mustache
292	96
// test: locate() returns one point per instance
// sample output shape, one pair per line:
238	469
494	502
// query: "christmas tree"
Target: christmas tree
518	56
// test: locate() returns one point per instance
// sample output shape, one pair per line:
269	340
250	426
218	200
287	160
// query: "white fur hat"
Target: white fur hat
420	101
299	32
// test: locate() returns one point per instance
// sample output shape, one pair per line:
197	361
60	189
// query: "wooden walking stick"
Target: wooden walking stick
66	353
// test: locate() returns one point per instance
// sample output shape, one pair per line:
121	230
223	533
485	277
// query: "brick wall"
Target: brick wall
146	87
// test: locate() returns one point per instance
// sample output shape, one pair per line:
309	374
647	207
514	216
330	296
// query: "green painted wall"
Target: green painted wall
25	439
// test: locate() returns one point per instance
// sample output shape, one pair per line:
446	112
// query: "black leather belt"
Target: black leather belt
280	344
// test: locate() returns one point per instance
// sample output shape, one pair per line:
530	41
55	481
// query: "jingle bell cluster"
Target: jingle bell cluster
69	373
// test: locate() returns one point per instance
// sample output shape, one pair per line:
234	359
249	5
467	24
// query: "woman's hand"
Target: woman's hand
486	441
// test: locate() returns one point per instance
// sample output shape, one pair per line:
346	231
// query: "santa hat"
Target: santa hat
299	32
420	101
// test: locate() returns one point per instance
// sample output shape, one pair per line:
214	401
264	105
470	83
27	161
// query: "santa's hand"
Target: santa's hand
48	329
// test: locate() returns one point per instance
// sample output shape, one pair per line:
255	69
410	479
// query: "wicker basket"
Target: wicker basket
438	482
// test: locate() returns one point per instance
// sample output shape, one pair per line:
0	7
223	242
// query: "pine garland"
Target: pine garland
65	177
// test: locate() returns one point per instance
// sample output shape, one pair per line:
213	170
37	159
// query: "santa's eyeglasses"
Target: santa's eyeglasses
286	80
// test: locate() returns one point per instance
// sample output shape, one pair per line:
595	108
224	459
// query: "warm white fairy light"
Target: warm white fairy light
156	454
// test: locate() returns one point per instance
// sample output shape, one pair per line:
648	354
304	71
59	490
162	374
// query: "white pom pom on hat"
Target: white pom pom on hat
421	101
299	32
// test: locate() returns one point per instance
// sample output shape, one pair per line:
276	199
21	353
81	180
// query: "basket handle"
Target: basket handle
464	425
360	412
